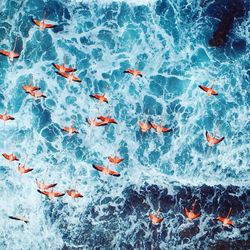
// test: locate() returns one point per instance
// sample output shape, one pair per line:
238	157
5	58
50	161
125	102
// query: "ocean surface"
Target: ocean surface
167	41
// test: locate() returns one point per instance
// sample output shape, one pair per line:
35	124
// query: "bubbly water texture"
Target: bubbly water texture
168	42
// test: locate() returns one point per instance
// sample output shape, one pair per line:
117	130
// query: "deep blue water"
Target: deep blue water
168	42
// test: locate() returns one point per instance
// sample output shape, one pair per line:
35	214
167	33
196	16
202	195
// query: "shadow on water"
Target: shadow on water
228	12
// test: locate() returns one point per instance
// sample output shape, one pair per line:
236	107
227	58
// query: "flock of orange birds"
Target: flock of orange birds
68	73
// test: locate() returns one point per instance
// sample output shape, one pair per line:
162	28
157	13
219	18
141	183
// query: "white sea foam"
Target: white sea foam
63	166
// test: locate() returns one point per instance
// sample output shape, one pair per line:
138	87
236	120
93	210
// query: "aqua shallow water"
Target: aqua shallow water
168	42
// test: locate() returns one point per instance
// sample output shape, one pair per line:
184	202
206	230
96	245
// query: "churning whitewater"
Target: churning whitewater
173	44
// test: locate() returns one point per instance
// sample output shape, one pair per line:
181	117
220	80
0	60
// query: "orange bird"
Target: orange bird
144	126
74	194
106	170
159	129
101	98
155	219
94	123
115	160
107	119
51	194
135	72
19	218
225	220
212	140
62	68
209	91
69	76
11	54
70	130
43	187
42	25
22	170
190	214
29	88
5	117
10	157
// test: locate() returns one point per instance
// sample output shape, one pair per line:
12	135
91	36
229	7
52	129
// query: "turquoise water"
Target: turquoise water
168	42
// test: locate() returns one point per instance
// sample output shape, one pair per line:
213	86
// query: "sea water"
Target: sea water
167	41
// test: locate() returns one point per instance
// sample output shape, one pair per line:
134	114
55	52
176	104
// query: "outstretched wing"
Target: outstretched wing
4	52
57	66
16	55
197	215
35	88
65	129
115	160
49	26
27	170
208	136
221	219
219	140
114	173
204	88
70	69
76	79
6	156
78	195
214	92
36	22
50	185
166	129
129	71
112	120
43	192
186	212
65	75
99	124
151	216
58	194
10	117
159	220
95	96
99	168
153	125
102	118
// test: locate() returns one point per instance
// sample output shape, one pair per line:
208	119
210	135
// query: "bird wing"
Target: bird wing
208	136
204	88
129	71
197	215
99	168
153	125
95	96
221	219
114	173
102	118
57	66
70	69
36	22
214	92
49	26
58	194
4	52
27	170
65	75
219	140
43	192
76	79
166	129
